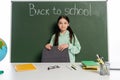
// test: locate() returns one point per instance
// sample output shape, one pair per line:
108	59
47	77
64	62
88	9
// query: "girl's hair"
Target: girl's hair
57	32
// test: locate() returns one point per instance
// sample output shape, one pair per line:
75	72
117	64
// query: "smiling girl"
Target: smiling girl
65	38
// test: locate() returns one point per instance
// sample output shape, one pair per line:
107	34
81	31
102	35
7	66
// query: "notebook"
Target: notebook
24	67
89	64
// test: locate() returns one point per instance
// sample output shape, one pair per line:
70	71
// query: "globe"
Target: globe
3	49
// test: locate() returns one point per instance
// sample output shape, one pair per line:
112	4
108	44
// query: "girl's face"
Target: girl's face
63	24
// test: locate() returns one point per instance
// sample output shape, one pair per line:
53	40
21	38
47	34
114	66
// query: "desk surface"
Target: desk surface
42	73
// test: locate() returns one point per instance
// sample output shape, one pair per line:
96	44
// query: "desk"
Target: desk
42	73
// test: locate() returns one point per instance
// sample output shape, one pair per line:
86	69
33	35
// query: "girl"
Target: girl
65	38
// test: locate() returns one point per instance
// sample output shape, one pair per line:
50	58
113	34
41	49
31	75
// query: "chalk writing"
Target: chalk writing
33	11
75	10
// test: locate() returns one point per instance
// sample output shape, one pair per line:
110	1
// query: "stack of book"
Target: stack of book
89	65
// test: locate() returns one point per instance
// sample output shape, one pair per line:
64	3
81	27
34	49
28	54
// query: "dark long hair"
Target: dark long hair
57	32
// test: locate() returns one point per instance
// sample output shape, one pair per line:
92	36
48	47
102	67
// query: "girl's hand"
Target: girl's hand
48	46
62	47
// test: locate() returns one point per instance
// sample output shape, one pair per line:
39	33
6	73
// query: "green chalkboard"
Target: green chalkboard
33	25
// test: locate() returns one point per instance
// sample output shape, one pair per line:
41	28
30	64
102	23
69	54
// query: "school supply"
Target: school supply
53	67
55	55
100	59
104	69
24	67
89	65
73	67
104	66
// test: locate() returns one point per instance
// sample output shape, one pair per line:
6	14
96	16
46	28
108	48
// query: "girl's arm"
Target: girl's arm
52	40
50	45
74	47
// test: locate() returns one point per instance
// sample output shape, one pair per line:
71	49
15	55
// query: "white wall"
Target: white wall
113	27
114	30
5	25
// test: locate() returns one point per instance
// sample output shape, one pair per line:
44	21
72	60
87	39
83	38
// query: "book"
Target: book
85	68
24	67
89	65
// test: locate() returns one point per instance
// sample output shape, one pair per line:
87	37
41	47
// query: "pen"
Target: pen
73	67
100	60
103	59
